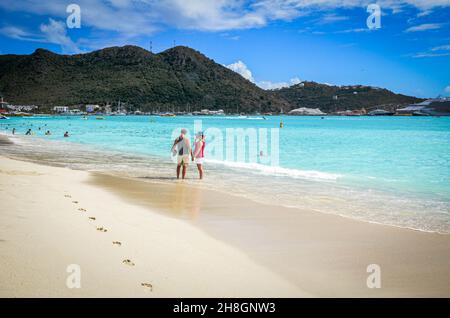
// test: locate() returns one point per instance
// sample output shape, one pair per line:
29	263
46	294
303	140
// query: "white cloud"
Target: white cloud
438	51
278	85
212	15
424	13
144	17
242	69
131	20
447	89
424	27
331	18
441	48
229	36
55	33
18	33
131	17
120	3
427	54
357	30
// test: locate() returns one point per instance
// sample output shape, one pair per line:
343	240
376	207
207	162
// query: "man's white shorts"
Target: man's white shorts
183	159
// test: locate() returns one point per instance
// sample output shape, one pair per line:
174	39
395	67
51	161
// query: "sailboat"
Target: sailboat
120	110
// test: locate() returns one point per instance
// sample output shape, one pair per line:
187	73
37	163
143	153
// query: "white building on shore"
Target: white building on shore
61	109
22	108
91	108
303	111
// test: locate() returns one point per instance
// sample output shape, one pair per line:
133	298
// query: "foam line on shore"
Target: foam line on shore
279	171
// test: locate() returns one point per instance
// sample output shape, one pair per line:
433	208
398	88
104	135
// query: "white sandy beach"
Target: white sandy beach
42	232
239	249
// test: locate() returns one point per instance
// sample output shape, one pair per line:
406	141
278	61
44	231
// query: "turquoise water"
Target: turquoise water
362	167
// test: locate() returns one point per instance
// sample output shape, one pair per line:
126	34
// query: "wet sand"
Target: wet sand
325	255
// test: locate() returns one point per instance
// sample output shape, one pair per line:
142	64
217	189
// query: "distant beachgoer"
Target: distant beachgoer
66	134
182	149
48	133
199	153
14	131
28	132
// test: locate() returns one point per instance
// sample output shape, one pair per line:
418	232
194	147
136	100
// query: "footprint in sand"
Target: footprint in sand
82	210
147	285
102	229
67	196
76	202
117	243
128	262
92	218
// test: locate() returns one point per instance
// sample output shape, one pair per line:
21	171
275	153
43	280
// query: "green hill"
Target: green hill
338	98
179	79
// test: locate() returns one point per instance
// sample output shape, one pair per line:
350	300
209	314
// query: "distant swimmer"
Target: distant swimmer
66	134
182	149
281	124
28	132
14	131
48	133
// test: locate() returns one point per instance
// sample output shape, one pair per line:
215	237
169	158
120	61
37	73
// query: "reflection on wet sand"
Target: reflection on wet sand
4	141
305	247
180	200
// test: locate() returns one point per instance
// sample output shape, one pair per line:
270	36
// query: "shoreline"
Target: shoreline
45	232
277	251
365	202
11	115
306	240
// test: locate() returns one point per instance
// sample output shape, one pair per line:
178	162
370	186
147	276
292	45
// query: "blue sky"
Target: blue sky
273	43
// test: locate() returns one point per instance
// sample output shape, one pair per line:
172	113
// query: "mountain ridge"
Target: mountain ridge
333	98
179	78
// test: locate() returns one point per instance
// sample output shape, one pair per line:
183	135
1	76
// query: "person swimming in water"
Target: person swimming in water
28	132
14	131
66	134
48	133
199	153
182	149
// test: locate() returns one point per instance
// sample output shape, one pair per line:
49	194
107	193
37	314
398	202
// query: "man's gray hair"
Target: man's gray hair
184	131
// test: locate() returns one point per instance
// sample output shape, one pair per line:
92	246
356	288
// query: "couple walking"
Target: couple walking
182	149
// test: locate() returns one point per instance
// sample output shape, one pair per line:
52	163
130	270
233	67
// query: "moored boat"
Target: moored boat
380	112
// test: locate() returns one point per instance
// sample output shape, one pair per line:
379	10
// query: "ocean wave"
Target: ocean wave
243	117
320	192
279	171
